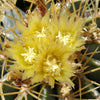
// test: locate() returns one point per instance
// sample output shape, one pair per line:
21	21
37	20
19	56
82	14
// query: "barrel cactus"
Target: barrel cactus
49	49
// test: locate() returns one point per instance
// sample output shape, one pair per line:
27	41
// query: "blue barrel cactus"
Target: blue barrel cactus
49	50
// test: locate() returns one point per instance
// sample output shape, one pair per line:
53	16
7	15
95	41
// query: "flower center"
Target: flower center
41	34
52	66
29	56
63	39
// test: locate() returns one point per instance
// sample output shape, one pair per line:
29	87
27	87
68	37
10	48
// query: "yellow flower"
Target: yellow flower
29	55
37	26
52	64
67	30
24	58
